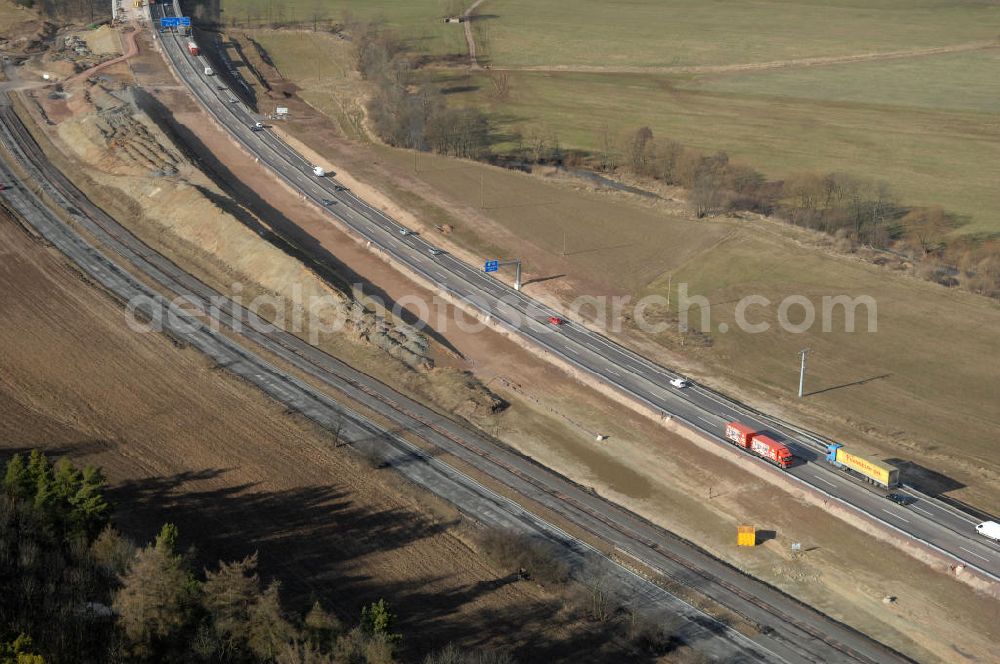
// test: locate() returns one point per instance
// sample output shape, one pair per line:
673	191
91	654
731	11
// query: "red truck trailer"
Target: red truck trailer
772	450
761	445
740	434
193	48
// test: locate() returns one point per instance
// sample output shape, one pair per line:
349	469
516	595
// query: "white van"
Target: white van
989	529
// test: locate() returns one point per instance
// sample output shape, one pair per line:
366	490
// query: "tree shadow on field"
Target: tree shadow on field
322	544
601	248
282	232
459	89
78	450
538	280
312	538
863	381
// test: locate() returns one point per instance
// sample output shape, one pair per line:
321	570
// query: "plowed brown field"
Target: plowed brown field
184	442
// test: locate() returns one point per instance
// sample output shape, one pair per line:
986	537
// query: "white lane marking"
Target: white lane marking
708	422
569	349
825	481
974	553
895	515
614	373
921	509
441	276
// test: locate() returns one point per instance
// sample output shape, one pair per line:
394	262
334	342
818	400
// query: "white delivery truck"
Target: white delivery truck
319	171
989	529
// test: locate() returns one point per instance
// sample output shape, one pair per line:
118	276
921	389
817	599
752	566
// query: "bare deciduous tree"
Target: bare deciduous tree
637	146
706	194
926	228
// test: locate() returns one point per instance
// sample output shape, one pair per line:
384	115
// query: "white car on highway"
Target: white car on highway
680	383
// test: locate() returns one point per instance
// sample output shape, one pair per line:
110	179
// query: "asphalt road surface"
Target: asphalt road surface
785	630
926	519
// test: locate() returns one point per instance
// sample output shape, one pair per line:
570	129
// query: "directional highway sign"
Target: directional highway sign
491	266
185	22
169	22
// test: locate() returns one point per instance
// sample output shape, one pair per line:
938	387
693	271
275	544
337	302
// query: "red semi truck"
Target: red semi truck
193	48
761	445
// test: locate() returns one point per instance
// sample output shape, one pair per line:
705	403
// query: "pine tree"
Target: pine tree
378	620
45	498
18	651
321	627
229	595
268	629
154	600
40	478
17	481
38	465
90	508
66	480
166	541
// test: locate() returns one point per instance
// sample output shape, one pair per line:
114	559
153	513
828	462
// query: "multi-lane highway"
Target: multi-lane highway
646	383
782	630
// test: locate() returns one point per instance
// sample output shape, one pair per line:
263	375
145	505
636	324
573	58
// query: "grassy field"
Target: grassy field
954	82
420	21
921	378
685	32
927	126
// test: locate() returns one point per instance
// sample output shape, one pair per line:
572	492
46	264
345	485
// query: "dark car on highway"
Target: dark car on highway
900	498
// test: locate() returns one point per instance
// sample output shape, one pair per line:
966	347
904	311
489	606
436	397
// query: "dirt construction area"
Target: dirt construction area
185	442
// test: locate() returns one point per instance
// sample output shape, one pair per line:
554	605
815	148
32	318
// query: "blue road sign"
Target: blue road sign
185	22
169	22
491	266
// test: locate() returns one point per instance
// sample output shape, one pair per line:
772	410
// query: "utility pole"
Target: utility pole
517	271
482	190
802	370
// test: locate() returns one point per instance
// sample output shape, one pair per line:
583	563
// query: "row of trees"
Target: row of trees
75	590
167	613
406	114
853	209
